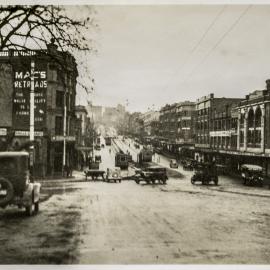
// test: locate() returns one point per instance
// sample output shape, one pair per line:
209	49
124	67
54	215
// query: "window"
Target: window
58	125
59	99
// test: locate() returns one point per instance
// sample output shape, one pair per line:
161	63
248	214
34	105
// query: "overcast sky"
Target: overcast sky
153	55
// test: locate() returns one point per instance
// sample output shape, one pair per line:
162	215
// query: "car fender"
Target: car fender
28	194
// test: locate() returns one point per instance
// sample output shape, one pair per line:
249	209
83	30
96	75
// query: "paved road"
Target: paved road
107	223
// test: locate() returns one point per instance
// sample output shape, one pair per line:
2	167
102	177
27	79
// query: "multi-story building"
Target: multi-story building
168	123
177	127
148	118
55	89
135	125
212	121
253	142
185	112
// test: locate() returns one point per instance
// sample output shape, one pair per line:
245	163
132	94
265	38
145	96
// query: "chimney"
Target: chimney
267	84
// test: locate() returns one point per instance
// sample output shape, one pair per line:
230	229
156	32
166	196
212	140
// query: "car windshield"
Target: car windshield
8	165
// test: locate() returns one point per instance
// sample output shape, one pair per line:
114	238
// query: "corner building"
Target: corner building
55	88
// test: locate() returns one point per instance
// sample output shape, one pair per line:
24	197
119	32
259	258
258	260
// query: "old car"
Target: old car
173	164
205	173
151	175
98	158
113	174
95	174
97	147
188	165
16	185
252	174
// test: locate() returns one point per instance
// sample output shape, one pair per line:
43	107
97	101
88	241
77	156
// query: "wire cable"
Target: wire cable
219	41
196	46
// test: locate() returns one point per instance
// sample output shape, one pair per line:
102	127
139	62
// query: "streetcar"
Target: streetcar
108	140
121	160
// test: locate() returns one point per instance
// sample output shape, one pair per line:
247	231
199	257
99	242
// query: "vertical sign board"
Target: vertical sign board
21	97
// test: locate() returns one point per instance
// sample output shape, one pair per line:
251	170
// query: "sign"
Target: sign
21	97
25	133
222	133
3	131
59	138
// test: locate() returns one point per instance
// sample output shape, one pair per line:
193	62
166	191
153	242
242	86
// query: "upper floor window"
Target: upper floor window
59	99
58	125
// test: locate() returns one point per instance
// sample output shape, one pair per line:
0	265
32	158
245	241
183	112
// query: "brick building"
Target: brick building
212	125
55	88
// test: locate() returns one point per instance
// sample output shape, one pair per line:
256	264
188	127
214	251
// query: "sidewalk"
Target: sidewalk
76	175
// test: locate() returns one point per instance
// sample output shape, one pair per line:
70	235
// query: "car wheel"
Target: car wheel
192	181
6	187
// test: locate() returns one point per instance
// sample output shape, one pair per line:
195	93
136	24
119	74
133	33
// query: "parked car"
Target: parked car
97	147
252	175
158	150
98	158
205	173
113	174
173	164
17	187
151	175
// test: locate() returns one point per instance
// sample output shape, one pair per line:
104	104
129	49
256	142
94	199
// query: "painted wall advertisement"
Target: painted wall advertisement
21	98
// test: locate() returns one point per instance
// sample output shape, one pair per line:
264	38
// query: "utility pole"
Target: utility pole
64	133
32	114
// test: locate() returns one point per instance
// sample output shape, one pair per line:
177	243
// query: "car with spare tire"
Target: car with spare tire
17	187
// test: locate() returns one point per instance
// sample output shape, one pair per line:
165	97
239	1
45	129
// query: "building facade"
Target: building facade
55	90
212	125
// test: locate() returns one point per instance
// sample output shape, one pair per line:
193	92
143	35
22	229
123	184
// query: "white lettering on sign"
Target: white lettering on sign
25	75
3	131
25	133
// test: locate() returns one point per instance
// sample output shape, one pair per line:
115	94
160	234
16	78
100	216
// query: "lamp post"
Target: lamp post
64	133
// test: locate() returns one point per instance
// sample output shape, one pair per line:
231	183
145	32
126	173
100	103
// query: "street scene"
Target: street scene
113	150
106	223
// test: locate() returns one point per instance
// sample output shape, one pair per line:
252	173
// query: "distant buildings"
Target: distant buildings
228	131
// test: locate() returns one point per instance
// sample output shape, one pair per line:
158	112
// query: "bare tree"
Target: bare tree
24	27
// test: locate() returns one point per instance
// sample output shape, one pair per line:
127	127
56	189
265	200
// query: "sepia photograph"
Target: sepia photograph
134	134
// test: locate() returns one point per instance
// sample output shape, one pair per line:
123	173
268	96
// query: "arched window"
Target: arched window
242	120
251	118
258	116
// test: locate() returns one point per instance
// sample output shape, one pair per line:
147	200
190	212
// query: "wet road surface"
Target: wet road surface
110	223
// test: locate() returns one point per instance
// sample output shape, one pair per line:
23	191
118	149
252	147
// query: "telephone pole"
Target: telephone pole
32	114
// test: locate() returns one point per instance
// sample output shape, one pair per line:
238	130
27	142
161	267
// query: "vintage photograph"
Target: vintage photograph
134	134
